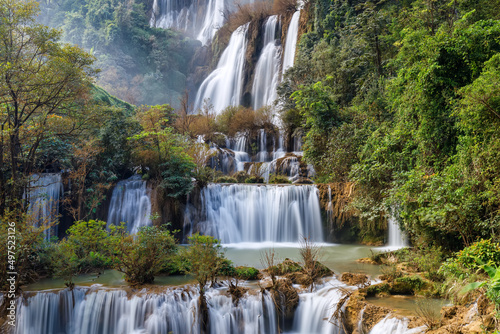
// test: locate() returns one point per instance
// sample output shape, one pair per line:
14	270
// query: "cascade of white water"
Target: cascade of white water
130	203
393	325
174	14
223	87
262	155
106	311
315	310
267	75
249	213
396	238
291	42
44	194
213	20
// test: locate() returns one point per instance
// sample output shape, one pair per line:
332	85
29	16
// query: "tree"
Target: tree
41	84
142	256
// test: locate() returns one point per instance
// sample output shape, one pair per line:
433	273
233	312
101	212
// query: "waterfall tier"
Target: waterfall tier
44	194
114	311
223	87
130	203
393	325
267	75
291	42
86	311
396	238
248	213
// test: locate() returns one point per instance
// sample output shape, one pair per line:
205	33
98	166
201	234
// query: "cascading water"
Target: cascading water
44	193
223	87
130	203
396	238
105	311
267	75
114	311
315	310
174	14
393	325
248	213
291	42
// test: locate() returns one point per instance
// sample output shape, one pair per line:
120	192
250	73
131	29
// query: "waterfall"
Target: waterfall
224	85
268	213
396	238
97	310
174	14
44	193
266	76
315	310
130	203
393	325
214	19
110	311
291	42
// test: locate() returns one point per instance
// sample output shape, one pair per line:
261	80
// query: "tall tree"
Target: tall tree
42	84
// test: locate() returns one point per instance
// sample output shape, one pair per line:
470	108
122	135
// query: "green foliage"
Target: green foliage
206	258
470	259
254	179
279	179
142	256
407	285
141	64
226	179
247	273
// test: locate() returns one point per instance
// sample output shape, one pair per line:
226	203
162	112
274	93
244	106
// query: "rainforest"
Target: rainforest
276	166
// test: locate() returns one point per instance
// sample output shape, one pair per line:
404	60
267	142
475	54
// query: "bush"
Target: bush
254	179
226	179
144	255
206	258
241	176
407	285
247	273
278	179
471	258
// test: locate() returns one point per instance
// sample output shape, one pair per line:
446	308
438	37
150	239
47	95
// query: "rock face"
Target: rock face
361	316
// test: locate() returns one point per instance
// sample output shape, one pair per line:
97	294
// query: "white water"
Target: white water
130	203
315	310
291	42
222	88
44	194
113	311
393	325
396	238
185	15
105	311
249	213
267	75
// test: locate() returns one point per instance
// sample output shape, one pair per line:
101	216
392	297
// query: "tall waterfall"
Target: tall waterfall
224	85
187	15
105	311
396	238
267	75
291	42
249	213
130	203
44	193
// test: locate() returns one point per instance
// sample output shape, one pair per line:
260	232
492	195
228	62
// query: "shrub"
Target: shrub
471	258
241	176
144	255
225	179
278	179
247	273
254	179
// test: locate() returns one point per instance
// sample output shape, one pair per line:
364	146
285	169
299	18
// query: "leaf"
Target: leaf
472	286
